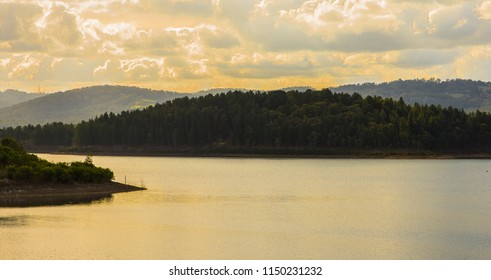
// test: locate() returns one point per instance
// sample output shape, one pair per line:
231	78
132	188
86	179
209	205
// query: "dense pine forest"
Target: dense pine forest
274	120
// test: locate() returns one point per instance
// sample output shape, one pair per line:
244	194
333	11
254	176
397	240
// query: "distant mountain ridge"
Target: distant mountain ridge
76	105
80	104
225	90
11	97
72	106
463	94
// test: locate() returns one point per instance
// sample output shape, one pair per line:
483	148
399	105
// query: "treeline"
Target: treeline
18	165
279	119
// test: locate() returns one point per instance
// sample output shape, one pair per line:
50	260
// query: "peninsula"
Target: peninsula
26	180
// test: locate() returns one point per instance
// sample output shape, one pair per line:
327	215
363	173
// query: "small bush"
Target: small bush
11	143
46	174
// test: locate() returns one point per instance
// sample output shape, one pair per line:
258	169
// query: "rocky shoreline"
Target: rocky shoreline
16	194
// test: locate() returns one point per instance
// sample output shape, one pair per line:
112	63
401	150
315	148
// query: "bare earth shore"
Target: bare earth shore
16	194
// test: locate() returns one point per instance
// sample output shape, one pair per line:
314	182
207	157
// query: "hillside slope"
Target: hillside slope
81	104
11	97
76	105
463	94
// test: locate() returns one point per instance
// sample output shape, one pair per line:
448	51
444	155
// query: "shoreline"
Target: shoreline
19	194
264	153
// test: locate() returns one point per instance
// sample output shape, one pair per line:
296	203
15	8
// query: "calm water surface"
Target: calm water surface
216	208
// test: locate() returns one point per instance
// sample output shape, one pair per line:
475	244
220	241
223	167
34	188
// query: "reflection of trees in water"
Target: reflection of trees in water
52	201
13	221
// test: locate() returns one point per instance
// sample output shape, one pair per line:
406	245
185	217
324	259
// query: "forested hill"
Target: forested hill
73	106
274	120
76	105
467	94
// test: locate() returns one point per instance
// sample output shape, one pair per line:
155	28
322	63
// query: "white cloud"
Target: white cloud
218	38
195	40
122	29
59	25
361	59
352	16
109	72
17	23
154	42
139	69
420	58
484	10
199	67
112	48
24	67
270	65
222	42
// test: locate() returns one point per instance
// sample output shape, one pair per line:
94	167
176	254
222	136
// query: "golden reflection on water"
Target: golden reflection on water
54	201
197	208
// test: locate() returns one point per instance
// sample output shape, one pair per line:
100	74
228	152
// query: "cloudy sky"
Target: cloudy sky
192	45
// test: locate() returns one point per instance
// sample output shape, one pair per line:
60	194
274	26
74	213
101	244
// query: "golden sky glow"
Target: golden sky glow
192	45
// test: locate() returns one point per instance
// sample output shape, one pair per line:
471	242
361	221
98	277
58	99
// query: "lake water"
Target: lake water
223	208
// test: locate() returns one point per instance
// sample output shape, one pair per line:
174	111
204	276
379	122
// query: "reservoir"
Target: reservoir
240	208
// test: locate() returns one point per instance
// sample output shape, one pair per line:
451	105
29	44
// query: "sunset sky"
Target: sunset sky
193	45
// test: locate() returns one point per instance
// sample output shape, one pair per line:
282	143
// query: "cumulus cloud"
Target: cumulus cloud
138	69
23	67
17	25
217	38
153	42
371	25
180	7
270	65
245	43
109	70
352	16
457	25
484	10
17	20
419	58
59	25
